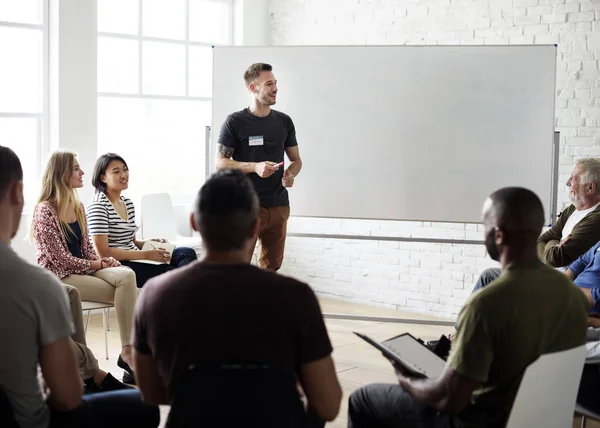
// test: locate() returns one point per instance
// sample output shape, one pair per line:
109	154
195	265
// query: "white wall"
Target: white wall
252	25
432	278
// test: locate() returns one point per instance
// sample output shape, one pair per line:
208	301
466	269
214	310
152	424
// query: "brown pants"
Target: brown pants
87	363
271	236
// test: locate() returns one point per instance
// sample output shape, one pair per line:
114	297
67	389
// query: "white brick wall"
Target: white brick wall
430	278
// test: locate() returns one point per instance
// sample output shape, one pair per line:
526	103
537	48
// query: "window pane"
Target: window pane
118	16
163	68
164	19
21	70
22	11
118	65
210	22
201	71
21	135
163	142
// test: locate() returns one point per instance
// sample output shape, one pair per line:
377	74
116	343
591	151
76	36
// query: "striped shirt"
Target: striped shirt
103	219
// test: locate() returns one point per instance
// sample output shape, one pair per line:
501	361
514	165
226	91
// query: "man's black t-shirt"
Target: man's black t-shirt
260	139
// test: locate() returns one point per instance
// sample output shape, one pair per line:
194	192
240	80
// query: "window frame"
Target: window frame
140	38
186	42
42	117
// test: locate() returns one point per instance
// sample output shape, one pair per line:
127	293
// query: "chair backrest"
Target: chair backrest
246	395
548	390
158	217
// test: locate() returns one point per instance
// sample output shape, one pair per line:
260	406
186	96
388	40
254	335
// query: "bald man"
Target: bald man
530	310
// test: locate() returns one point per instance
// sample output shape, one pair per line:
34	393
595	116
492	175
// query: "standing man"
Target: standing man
253	141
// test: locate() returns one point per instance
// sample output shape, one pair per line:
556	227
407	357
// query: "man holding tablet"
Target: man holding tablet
253	141
531	310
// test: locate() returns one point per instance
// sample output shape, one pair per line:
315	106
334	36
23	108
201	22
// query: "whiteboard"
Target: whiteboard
405	132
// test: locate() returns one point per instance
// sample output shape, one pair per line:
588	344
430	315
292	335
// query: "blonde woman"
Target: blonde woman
60	233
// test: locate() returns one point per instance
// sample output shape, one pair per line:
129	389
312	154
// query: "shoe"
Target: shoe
128	376
111	384
108	384
128	379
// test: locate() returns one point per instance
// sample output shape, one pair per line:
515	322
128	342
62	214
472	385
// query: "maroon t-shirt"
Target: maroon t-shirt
216	313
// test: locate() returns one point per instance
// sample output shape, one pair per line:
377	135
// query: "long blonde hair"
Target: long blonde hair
58	192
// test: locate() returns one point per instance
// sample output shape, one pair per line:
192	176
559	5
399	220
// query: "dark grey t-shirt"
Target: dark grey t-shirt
260	139
34	312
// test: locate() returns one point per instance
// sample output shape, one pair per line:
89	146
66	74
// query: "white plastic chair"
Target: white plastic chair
159	221
585	414
548	390
88	307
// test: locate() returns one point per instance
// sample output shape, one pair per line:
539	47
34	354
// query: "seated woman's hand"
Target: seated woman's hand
159	240
110	262
158	256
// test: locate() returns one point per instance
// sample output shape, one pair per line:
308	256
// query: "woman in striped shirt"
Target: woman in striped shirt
61	236
111	219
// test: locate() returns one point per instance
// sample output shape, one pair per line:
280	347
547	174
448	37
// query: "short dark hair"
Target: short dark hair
516	209
254	70
225	210
10	170
100	170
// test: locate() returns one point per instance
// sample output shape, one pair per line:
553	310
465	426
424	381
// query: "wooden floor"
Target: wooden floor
357	363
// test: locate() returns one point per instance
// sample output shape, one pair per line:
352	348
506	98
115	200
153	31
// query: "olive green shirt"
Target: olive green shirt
530	310
584	236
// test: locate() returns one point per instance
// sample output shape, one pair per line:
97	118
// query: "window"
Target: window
23	85
155	88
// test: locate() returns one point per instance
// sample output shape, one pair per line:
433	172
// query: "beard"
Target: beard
576	199
267	100
491	247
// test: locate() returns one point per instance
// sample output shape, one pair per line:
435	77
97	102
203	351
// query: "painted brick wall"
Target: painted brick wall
428	278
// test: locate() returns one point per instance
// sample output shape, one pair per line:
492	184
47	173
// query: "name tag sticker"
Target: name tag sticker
256	141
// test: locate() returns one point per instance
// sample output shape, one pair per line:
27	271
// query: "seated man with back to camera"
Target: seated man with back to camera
493	346
223	310
578	226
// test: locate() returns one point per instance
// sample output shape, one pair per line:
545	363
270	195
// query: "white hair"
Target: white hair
591	172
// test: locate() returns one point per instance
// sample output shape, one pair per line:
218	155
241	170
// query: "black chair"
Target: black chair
237	396
7	418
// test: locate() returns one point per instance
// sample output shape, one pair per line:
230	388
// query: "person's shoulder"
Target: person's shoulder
595	212
237	115
568	211
98	202
99	198
44	207
281	115
29	278
293	288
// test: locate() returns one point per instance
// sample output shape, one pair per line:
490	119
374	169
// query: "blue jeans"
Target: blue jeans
143	271
487	276
114	409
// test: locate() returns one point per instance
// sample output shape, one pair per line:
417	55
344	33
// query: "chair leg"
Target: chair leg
107	319
87	321
105	334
